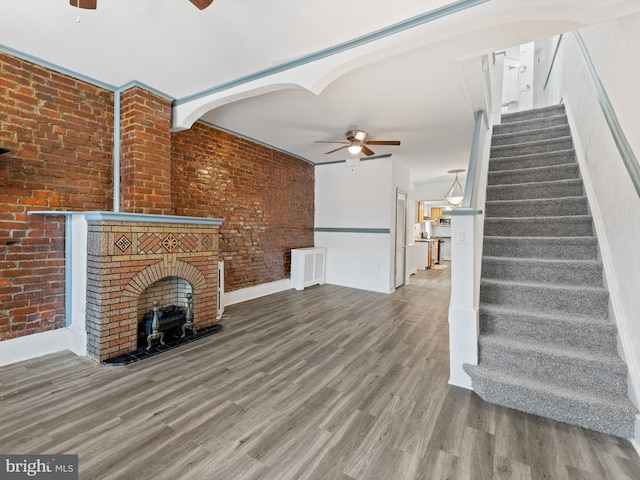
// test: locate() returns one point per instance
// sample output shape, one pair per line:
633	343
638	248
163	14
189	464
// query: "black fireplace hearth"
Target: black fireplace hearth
173	339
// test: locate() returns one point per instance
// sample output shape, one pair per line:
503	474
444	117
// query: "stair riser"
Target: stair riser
538	208
565	273
546	174
596	338
527	125
568	188
533	114
564	370
530	136
532	161
597	417
539	227
542	298
531	148
577	248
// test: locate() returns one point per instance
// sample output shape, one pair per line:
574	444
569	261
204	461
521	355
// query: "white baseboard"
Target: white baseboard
244	294
74	339
33	346
635	441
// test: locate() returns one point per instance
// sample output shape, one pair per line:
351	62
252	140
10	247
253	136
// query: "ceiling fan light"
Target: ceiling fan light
354	149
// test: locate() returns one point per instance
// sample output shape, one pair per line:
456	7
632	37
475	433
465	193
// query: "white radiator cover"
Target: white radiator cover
307	267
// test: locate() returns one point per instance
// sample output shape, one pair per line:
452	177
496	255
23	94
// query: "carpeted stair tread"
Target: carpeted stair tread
542	316
557	299
526	148
577	248
560	157
538	207
547	189
534	114
531	124
600	411
534	270
561	226
569	365
534	174
596	333
527	136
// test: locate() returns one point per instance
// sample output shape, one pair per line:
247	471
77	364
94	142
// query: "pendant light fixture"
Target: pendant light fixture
455	194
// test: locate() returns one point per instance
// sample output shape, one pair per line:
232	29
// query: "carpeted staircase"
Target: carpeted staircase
547	344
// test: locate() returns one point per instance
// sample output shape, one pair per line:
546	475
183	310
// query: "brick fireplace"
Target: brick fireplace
126	254
113	258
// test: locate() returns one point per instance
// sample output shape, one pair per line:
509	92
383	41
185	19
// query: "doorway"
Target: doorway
401	238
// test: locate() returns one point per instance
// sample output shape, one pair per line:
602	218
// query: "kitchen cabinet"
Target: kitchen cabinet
307	267
424	254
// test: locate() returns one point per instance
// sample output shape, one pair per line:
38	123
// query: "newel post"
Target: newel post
463	306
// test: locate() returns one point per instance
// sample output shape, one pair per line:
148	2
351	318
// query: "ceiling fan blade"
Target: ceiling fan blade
368	152
201	4
88	4
340	148
383	142
331	141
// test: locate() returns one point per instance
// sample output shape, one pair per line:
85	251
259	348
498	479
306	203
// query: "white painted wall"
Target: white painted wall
363	197
613	47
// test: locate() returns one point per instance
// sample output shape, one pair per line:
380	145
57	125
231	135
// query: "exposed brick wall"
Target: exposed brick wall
145	153
265	198
60	132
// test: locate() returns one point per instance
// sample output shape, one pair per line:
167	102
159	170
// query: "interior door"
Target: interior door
401	237
525	76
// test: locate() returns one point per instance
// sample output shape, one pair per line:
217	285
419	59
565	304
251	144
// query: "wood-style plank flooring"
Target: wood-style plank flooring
329	383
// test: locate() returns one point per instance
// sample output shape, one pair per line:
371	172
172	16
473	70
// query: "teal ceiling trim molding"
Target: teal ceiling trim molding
245	137
56	68
351	230
427	17
79	76
135	83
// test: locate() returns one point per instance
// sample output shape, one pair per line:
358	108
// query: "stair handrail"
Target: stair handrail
626	151
466	255
473	161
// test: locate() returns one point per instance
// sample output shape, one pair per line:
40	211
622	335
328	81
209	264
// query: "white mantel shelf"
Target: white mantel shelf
134	217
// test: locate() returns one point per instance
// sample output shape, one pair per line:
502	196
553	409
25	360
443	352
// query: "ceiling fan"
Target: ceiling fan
357	141
92	4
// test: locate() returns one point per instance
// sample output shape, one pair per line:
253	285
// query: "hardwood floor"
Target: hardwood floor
328	383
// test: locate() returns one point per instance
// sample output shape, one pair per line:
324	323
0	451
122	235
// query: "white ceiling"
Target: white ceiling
415	91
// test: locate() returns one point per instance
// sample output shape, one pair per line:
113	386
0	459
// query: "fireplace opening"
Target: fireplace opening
170	301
